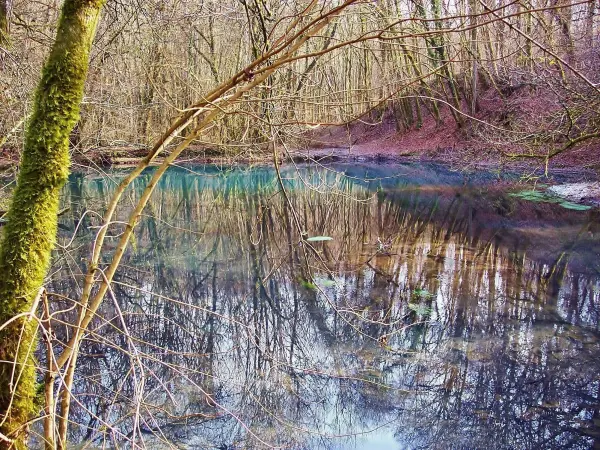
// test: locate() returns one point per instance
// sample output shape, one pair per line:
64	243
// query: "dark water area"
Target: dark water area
442	314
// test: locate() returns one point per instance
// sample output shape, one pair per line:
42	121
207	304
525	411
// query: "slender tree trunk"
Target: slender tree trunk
30	233
564	16
441	59
474	51
589	24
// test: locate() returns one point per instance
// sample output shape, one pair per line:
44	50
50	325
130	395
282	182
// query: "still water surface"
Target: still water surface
442	314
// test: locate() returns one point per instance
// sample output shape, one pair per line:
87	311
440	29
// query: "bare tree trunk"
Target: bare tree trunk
589	24
474	51
564	17
30	233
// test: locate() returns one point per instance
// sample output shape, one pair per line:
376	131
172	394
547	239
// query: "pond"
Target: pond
441	313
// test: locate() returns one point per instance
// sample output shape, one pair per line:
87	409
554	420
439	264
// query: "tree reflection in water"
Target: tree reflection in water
437	317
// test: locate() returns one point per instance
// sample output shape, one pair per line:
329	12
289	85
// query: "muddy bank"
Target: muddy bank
444	144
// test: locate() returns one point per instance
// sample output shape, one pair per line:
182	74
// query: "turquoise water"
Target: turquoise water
442	313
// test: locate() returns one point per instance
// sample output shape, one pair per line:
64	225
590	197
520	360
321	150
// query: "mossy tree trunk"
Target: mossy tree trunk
30	233
5	9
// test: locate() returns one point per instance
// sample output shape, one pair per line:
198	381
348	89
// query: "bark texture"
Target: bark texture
5	9
30	233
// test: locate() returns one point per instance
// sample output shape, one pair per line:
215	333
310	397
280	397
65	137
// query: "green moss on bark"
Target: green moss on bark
4	21
30	233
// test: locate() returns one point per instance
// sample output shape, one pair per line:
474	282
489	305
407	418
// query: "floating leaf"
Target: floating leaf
574	206
538	196
532	196
319	239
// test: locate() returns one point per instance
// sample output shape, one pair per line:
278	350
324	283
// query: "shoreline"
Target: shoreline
468	160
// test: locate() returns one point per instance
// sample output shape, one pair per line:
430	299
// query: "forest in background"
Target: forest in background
517	77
